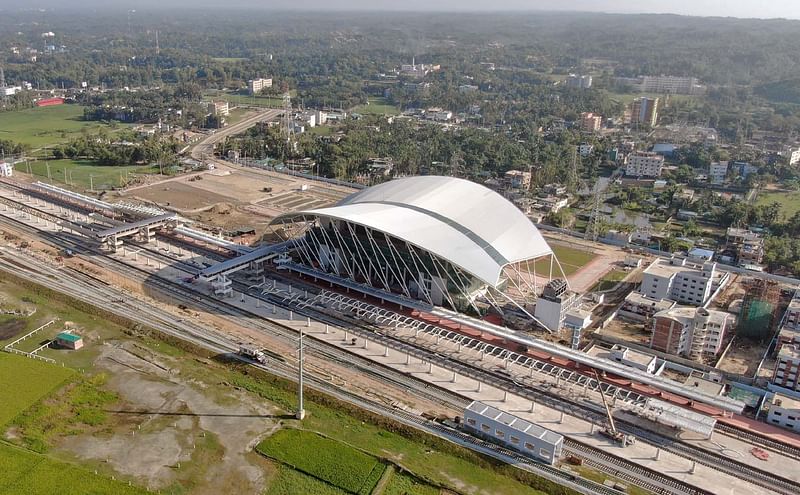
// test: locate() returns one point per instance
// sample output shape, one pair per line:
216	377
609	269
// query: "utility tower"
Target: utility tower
3	87
593	227
301	412
288	128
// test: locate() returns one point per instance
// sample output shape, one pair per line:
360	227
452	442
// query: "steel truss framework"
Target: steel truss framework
402	326
376	258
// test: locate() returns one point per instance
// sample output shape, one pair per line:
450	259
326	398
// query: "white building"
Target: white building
784	411
644	164
6	169
579	81
634	358
554	304
691	332
218	108
675	85
717	172
793	154
585	149
256	85
675	279
514	432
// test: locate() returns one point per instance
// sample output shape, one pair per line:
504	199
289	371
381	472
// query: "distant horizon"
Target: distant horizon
738	9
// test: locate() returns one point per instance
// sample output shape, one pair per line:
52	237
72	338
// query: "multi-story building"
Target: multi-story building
256	85
786	368
749	246
644	111
685	283
517	179
792	153
691	332
591	122
554	304
644	164
784	411
639	307
585	149
218	108
717	172
675	85
579	81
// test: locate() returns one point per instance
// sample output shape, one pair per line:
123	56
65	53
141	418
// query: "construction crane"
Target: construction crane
611	430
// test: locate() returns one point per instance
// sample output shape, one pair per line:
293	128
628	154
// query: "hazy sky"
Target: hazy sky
733	8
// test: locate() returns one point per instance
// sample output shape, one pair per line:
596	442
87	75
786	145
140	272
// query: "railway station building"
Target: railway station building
442	241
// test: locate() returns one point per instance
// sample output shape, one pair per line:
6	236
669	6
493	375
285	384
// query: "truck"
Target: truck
252	352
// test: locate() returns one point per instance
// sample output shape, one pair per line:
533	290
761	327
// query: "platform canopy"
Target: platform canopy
460	221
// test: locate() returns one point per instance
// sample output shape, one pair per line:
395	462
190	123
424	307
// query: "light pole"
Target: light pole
91	182
301	413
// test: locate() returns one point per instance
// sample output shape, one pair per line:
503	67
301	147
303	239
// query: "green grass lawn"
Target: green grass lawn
45	126
25	472
571	259
790	201
320	130
23	381
80	173
377	106
609	280
340	465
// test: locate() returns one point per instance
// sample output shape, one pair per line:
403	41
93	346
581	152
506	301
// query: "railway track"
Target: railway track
363	365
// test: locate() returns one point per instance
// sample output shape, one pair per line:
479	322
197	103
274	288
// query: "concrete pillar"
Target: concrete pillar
258	303
274	309
430	368
291	315
482	353
242	296
561	418
366	344
480	386
453	380
591	428
408	359
290	288
386	351
658	454
326	329
694	466
308	322
345	335
533	406
505	395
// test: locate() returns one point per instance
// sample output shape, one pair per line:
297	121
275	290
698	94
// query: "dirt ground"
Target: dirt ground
235	197
165	425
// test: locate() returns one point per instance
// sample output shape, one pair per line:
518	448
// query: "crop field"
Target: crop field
377	106
340	465
790	201
82	174
291	482
23	381
33	474
403	484
45	126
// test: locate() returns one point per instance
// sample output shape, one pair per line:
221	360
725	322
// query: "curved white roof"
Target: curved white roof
458	220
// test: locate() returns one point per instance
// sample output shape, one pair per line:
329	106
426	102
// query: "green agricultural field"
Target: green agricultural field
291	482
377	106
45	126
33	474
403	484
329	460
80	174
790	201
23	381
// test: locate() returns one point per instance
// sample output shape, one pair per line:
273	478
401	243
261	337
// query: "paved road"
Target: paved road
205	148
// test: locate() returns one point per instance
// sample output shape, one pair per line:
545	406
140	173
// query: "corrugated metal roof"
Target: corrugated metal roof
70	337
